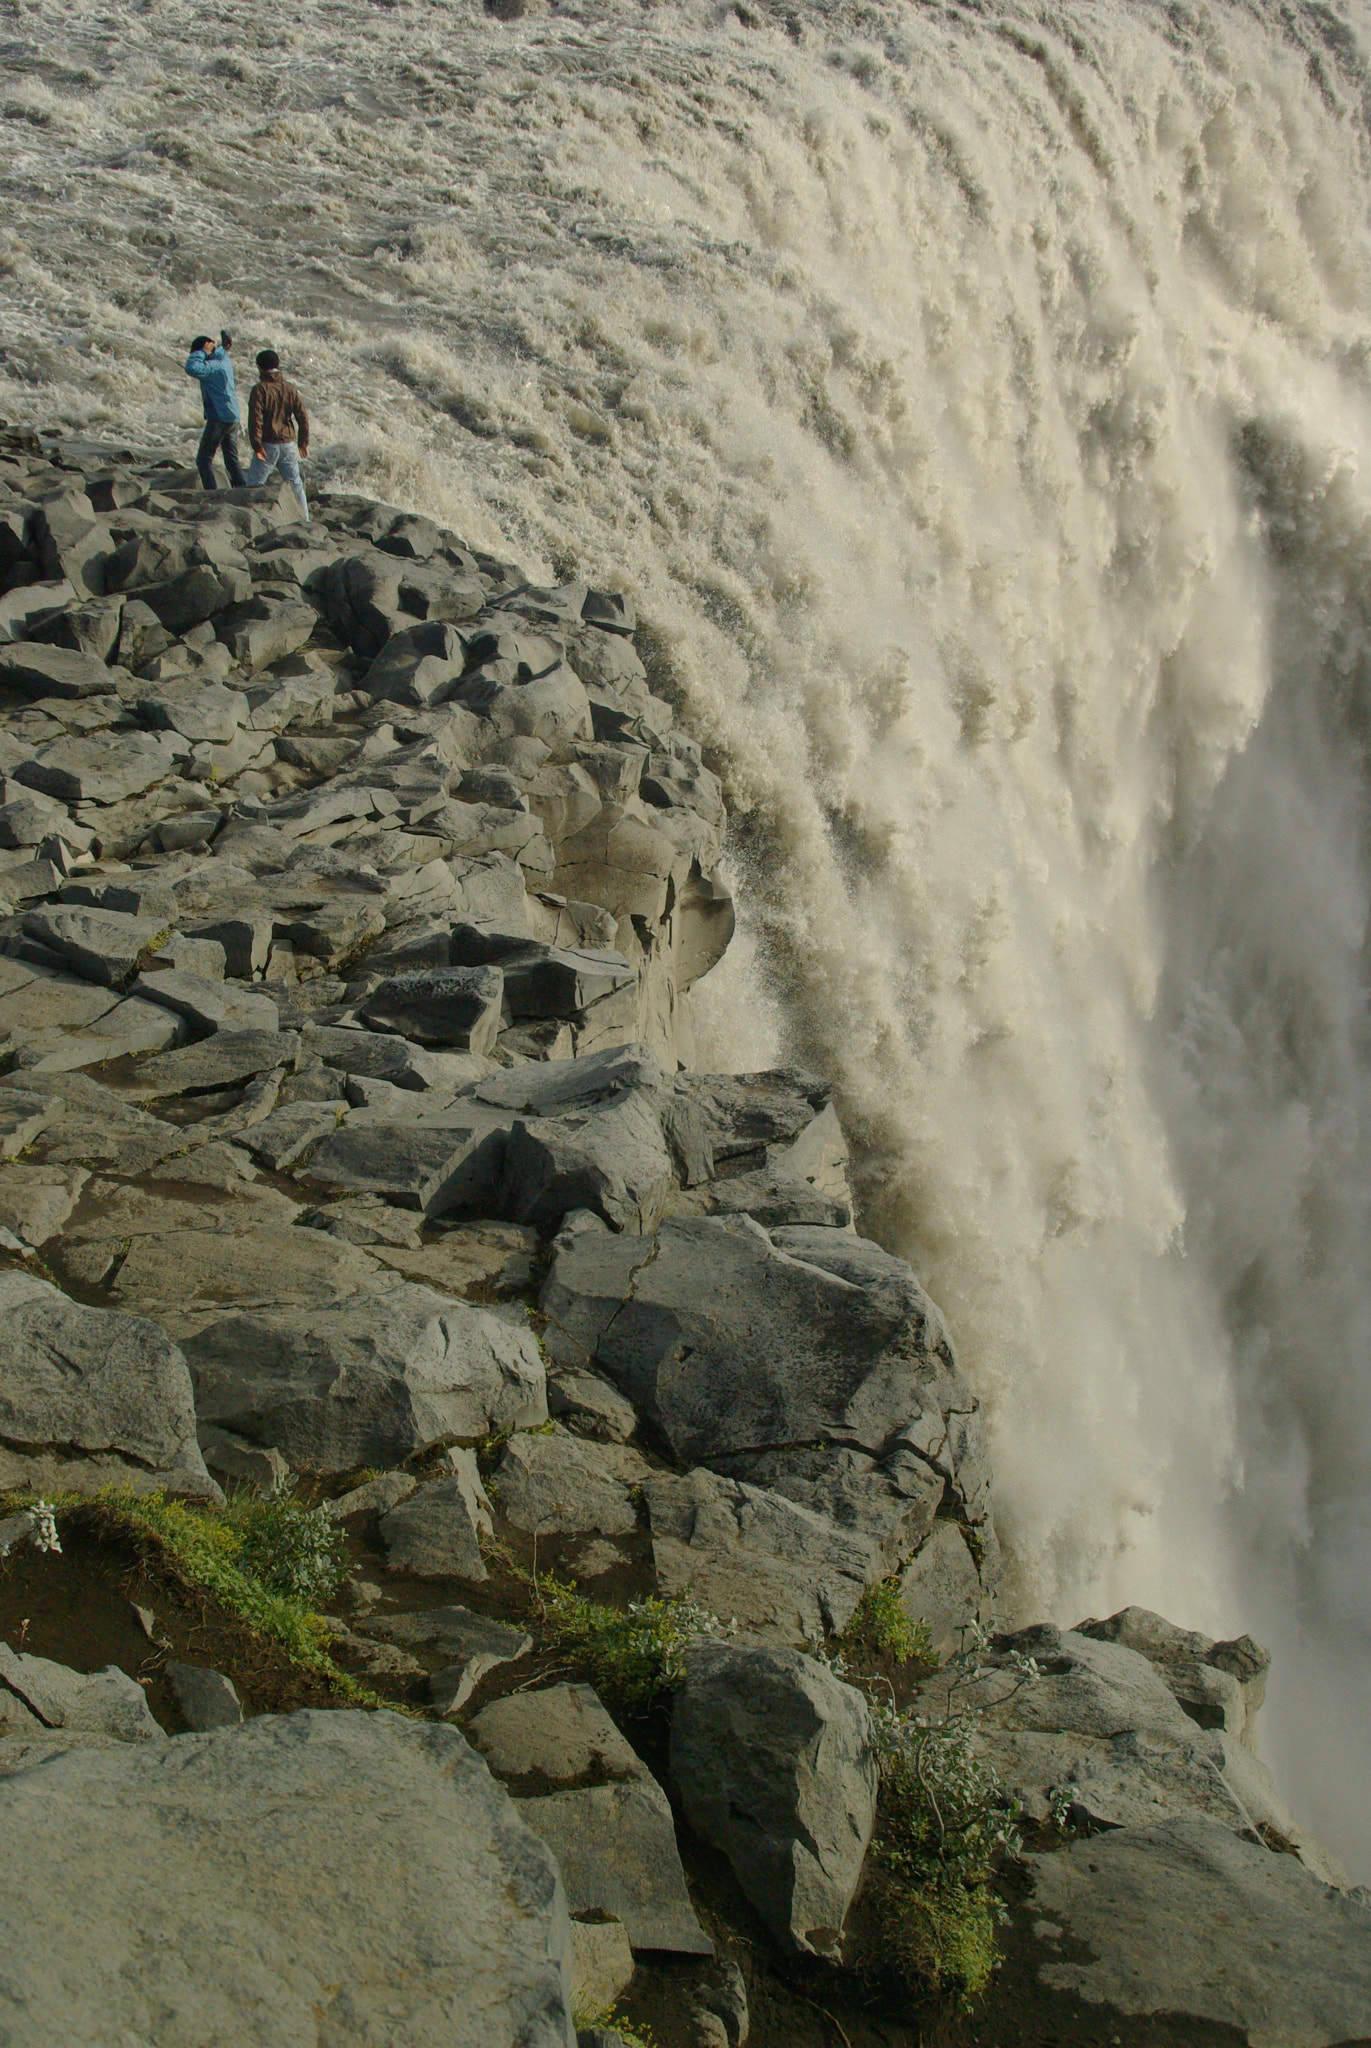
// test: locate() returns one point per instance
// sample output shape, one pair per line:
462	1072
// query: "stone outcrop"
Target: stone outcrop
352	893
458	1936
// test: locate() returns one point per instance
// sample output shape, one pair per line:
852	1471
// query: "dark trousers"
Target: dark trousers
219	434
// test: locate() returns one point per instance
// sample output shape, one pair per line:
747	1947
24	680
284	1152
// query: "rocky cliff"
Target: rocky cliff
353	891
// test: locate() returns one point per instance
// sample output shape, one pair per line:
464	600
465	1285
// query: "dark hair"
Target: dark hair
201	341
267	359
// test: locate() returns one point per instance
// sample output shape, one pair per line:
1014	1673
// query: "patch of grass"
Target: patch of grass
633	1654
208	1548
883	1624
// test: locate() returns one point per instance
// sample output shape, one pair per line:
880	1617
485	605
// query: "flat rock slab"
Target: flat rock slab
420	1166
455	1006
92	1398
369	1381
1188	1920
354	1872
614	1839
103	770
218	1062
43	671
105	946
210	1005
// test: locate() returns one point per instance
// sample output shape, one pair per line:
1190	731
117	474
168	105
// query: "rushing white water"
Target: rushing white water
978	399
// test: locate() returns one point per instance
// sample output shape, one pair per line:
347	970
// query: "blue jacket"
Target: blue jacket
214	369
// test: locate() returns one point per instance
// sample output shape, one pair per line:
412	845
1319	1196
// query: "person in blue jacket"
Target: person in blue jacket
213	370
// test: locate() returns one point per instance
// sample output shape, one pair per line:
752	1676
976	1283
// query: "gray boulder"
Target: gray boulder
775	1569
104	946
730	1343
207	1699
450	1006
106	1702
436	1531
92	1398
774	1762
1184	1919
598	1808
612	1159
458	1936
558	1485
1220	1685
370	1381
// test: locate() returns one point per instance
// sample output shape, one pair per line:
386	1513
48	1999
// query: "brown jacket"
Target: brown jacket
275	408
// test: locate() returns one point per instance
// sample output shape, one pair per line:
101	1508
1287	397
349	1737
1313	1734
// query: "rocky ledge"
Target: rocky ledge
352	890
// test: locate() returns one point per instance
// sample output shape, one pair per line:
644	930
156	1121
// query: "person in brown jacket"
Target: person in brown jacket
276	412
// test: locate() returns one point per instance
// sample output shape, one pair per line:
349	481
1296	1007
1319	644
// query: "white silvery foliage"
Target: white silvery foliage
45	1535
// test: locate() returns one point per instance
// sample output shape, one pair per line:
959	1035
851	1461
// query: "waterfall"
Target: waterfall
977	398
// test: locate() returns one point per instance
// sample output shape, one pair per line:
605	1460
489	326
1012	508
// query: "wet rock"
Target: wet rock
46	671
458	1937
91	1398
371	1381
774	1762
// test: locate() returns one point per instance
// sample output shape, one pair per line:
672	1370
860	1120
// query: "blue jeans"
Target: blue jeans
284	457
219	435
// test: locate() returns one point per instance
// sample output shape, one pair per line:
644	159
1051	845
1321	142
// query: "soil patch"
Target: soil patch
77	1608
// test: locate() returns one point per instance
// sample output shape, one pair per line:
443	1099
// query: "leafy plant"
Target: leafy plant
633	2035
882	1623
291	1548
942	1821
633	1654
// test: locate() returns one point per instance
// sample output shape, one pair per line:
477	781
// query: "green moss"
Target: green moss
883	1624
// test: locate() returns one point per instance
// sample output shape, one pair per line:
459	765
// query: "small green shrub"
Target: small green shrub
291	1548
632	2033
882	1624
634	1654
942	1820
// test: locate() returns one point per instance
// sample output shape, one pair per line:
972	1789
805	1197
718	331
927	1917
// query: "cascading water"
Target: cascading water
977	398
